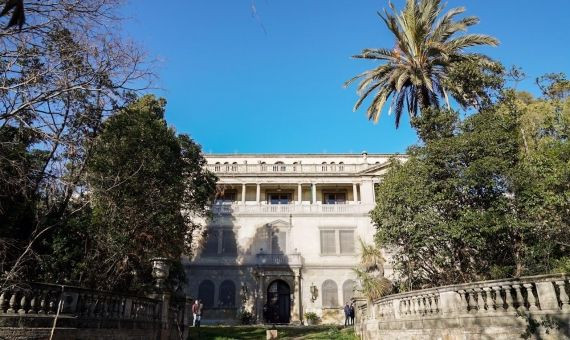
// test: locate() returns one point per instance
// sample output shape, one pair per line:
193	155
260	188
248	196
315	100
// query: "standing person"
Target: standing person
346	314
351	313
197	312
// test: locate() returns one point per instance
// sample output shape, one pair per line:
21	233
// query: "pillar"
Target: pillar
243	193
367	192
354	193
300	194
258	193
314	188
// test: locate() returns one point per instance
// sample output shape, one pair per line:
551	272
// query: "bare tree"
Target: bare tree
60	76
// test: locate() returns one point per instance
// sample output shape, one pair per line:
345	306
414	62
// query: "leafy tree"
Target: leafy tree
486	197
146	185
417	72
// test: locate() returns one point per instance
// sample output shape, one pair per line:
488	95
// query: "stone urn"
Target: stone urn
160	271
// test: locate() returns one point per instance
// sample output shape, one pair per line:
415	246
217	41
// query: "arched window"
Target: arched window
295	164
227	297
263	166
206	293
217	166
333	166
279	166
324	166
226	166
348	290
340	166
234	166
330	294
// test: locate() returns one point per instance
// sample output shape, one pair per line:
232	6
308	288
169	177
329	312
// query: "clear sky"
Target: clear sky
273	82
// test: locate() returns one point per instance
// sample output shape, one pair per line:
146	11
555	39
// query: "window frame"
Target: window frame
337	232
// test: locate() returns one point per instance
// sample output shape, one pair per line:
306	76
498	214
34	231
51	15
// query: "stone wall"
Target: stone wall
530	307
31	311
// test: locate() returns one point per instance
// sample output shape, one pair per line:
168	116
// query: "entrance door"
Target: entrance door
278	308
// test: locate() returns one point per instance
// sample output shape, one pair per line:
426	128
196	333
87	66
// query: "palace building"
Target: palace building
284	236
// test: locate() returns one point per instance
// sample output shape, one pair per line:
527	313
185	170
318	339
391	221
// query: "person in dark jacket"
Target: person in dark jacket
351	314
346	314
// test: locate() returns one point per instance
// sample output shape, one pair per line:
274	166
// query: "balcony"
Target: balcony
287	168
291	260
286	209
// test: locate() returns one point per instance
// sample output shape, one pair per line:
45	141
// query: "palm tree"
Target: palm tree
415	72
370	272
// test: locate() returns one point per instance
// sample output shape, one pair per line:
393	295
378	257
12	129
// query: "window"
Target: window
229	245
226	166
263	166
206	293
340	166
337	242
220	242
278	198
348	288
346	241
211	247
279	166
334	198
234	166
278	242
217	166
330	294
227	196
333	166
328	242
324	166
227	296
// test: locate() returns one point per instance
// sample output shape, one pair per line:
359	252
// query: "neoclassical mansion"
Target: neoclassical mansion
284	236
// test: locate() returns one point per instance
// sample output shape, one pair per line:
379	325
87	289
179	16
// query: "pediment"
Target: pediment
377	169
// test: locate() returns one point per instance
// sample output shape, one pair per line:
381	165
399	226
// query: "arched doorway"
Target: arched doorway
278	307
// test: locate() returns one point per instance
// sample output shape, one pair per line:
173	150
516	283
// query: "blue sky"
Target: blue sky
273	83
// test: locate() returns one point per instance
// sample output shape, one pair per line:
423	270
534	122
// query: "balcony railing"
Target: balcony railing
239	209
278	259
287	168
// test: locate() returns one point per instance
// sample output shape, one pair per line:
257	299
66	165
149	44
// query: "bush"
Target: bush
245	317
311	317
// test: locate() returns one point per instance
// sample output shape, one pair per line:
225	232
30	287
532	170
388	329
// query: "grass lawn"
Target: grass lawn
258	332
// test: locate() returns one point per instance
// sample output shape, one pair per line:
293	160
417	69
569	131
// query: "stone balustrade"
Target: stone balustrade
287	168
498	309
281	209
289	260
29	312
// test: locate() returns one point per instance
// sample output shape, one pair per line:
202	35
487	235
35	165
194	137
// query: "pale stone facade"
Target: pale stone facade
284	235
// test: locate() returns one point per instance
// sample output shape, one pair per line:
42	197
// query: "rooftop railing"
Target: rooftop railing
287	168
237	209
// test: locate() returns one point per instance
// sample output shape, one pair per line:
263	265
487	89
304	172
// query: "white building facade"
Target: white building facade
284	236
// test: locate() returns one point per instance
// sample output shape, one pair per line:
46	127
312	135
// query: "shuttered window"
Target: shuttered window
227	296
346	241
211	247
206	293
330	294
229	245
328	242
348	290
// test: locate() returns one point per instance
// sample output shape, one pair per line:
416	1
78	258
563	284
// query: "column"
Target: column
367	192
243	193
314	187
354	193
258	194
299	194
300	295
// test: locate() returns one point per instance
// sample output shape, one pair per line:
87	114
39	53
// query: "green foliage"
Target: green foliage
370	272
428	55
482	198
312	316
143	180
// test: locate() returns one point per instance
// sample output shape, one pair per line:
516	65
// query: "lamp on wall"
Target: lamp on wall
314	292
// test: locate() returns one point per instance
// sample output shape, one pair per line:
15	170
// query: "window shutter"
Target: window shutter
328	244
346	241
330	294
229	246
211	247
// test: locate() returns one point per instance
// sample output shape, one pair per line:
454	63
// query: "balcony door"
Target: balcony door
334	198
279	198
